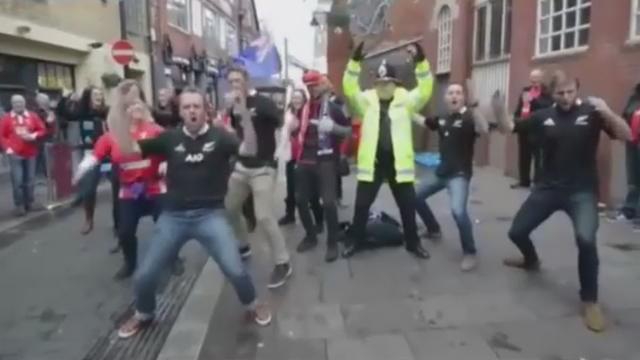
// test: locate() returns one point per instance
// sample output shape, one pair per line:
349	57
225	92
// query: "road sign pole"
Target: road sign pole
123	31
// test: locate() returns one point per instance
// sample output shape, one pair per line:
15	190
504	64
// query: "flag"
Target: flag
260	58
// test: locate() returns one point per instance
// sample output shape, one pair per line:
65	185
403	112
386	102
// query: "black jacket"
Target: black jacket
632	105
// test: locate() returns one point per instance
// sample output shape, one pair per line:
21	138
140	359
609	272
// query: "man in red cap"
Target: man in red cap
323	124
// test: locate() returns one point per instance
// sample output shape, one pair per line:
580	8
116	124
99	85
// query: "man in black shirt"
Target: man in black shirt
255	119
457	132
198	164
322	125
569	133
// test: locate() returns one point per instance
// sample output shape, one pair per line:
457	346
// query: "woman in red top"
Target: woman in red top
141	183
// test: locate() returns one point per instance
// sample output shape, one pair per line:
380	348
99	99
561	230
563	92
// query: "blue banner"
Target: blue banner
260	58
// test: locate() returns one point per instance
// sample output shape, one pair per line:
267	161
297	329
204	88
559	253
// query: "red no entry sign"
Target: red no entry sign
122	52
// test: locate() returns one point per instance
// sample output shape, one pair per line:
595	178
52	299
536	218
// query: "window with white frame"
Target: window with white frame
635	20
492	29
563	25
223	35
232	39
211	29
178	13
445	34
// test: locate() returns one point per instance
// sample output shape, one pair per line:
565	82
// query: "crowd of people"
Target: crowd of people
210	175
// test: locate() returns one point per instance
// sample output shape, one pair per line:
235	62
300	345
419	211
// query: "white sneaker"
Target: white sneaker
469	262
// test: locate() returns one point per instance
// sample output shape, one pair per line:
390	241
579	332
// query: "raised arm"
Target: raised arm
618	127
421	94
350	82
479	118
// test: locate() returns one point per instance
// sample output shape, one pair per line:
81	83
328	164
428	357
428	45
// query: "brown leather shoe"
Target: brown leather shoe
593	317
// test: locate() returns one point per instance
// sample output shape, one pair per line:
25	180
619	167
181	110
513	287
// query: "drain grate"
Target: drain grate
147	344
504	218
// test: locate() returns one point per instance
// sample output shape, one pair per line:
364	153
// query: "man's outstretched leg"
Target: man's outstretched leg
582	208
212	229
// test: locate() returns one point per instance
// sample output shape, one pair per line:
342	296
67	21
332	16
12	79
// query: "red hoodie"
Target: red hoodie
134	168
29	122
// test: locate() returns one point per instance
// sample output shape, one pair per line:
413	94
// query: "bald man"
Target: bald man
20	131
534	97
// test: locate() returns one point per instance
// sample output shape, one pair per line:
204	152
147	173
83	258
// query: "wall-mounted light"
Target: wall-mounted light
23	30
96	45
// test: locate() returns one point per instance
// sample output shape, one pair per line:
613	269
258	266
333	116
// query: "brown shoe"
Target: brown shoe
521	263
261	315
593	317
133	326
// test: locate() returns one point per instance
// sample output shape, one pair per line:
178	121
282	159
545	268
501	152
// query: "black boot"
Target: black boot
288	219
308	243
125	272
332	252
419	252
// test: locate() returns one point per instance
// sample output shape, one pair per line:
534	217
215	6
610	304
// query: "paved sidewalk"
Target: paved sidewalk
385	305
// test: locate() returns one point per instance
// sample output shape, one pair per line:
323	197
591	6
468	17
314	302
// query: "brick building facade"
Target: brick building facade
193	38
498	42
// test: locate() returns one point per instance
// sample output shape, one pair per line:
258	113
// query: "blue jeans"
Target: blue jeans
23	171
212	229
631	207
458	188
582	208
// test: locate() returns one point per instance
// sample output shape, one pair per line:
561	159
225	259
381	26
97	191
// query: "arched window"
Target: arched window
445	34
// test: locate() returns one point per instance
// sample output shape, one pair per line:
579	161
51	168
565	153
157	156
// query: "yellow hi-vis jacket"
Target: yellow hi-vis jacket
404	106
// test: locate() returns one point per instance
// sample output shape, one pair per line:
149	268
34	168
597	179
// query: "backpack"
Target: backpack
382	230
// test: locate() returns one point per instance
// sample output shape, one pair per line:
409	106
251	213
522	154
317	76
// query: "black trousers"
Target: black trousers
404	195
131	211
290	200
582	208
313	180
528	152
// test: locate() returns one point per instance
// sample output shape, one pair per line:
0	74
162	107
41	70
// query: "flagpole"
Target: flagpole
286	58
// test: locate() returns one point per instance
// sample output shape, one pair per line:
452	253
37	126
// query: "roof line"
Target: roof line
394	47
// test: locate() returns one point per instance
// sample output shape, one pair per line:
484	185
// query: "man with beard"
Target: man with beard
322	125
255	119
569	134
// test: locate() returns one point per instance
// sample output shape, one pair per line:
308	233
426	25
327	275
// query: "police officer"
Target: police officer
569	133
386	146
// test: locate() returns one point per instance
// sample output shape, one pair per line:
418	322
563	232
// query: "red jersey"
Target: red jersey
12	124
137	175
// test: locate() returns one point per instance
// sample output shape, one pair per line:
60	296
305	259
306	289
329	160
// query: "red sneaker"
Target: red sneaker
133	326
261	315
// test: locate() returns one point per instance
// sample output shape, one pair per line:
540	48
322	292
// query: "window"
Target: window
492	30
54	76
136	18
563	25
232	39
445	30
635	20
223	35
178	13
211	30
196	17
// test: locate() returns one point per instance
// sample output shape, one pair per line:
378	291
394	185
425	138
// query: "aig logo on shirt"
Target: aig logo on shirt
194	158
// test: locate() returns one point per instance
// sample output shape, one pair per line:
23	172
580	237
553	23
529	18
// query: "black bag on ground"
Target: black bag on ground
383	230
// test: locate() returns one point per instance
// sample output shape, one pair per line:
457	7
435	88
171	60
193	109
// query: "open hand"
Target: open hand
416	52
